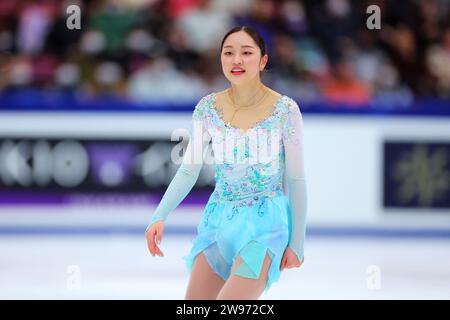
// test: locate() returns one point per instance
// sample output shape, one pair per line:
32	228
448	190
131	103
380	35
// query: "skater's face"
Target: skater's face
240	51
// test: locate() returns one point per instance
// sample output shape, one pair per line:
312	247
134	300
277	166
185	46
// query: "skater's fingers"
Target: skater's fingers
151	241
158	235
159	252
150	246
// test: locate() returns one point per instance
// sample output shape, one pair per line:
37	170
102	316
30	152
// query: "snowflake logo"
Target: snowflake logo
422	174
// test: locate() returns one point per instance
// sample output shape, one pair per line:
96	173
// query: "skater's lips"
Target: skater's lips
237	71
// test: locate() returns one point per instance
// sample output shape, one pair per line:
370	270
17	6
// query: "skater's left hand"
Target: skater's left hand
290	259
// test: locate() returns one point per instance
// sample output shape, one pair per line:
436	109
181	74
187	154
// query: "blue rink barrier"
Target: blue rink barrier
68	100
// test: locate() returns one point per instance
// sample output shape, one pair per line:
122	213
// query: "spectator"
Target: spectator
34	24
344	88
438	61
114	21
161	81
389	93
203	26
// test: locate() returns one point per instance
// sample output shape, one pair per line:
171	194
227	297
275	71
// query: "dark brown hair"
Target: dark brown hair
252	33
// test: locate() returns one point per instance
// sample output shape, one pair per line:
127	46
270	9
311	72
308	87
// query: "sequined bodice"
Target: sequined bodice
249	165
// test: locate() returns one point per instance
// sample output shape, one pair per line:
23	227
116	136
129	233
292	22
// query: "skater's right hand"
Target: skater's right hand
154	237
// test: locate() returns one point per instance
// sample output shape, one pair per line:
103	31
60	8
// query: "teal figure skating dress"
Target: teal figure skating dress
250	213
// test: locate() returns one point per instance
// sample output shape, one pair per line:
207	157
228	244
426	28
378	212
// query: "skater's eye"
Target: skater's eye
246	52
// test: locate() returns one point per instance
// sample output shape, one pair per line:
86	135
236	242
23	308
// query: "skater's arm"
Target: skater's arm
189	170
295	177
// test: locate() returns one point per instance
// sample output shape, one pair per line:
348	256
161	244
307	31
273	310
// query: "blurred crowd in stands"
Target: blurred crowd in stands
151	50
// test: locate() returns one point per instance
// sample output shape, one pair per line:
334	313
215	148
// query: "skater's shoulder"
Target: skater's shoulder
290	104
204	104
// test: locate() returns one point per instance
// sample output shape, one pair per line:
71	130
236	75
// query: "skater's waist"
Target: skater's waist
239	198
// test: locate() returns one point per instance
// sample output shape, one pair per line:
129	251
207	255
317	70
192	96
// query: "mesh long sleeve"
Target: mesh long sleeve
189	170
295	177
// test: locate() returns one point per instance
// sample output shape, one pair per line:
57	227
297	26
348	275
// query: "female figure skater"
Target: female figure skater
250	229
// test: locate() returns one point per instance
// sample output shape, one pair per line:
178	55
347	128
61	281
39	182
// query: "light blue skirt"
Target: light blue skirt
226	231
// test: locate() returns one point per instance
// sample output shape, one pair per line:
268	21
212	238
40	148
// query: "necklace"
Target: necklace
250	107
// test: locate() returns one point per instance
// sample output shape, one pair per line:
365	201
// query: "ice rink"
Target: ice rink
98	254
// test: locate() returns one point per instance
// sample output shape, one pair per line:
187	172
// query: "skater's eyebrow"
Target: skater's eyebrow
244	46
